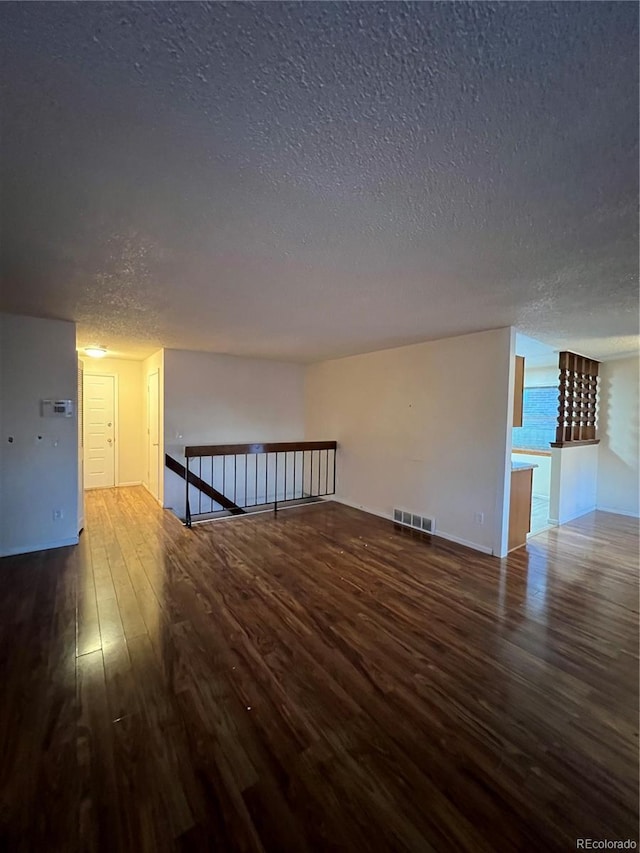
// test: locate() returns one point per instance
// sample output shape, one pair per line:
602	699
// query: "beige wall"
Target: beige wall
574	477
219	399
422	428
130	424
619	433
39	467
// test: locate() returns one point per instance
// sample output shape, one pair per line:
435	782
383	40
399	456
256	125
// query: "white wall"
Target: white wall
541	377
131	424
619	433
153	364
574	476
423	428
220	399
37	361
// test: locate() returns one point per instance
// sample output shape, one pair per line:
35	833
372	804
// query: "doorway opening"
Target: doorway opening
531	439
118	426
530	442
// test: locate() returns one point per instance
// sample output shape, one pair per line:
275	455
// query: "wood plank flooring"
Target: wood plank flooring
317	681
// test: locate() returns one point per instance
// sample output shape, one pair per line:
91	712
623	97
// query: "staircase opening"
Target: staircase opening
234	479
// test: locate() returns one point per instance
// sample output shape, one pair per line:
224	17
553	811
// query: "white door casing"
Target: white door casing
153	433
99	431
80	411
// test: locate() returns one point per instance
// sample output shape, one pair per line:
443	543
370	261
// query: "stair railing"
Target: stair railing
241	477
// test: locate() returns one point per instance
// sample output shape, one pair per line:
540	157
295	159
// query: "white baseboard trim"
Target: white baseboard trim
557	522
354	505
43	546
482	548
439	533
117	486
618	511
550	523
157	500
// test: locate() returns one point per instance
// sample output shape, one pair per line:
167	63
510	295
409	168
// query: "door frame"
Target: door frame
116	427
155	372
80	409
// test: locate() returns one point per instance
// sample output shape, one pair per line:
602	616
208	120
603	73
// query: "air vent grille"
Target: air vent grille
417	522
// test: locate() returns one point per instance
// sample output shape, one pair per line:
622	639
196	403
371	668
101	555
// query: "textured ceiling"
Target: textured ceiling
307	180
535	353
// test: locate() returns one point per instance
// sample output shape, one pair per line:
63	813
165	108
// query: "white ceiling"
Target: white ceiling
308	180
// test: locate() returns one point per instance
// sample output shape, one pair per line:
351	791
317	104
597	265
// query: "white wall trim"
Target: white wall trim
155	371
117	486
438	533
558	522
503	496
617	511
482	548
156	499
42	546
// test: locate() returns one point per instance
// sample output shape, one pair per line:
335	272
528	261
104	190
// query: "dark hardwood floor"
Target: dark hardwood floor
317	681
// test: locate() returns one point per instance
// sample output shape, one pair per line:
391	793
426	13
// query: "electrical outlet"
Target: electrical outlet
58	515
478	517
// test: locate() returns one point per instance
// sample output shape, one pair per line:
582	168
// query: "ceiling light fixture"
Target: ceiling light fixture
96	352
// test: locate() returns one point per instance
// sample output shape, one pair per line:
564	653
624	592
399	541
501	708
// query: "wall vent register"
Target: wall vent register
417	522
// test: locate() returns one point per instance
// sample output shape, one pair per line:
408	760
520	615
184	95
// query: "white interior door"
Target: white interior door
153	432
99	432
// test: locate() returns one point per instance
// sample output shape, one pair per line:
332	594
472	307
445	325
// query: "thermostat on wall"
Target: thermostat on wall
57	408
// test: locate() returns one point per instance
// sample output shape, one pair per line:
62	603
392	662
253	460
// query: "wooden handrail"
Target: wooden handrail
573	443
272	447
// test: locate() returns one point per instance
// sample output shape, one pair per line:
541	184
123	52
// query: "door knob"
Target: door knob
109	440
